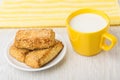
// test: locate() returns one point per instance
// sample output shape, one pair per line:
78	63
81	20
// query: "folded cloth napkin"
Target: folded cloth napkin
51	13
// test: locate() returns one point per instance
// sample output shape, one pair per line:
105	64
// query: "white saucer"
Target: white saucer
24	67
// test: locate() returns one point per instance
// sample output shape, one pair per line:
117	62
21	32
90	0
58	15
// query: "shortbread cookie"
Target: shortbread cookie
35	39
38	58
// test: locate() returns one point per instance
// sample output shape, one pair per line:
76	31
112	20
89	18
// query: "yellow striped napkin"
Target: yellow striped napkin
42	13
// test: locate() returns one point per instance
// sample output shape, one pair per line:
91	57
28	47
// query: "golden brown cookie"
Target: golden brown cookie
38	58
35	39
18	54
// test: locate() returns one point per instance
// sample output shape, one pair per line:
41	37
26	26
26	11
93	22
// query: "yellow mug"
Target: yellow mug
91	43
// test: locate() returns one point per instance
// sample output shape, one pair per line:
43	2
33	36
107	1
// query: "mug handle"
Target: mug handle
111	38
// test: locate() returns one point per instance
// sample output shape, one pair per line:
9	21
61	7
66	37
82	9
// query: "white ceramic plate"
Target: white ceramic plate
23	66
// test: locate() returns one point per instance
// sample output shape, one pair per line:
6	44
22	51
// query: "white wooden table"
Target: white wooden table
104	66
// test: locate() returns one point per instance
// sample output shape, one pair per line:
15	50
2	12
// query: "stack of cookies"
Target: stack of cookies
35	47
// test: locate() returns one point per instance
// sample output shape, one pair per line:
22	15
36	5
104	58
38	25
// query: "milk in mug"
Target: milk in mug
88	22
